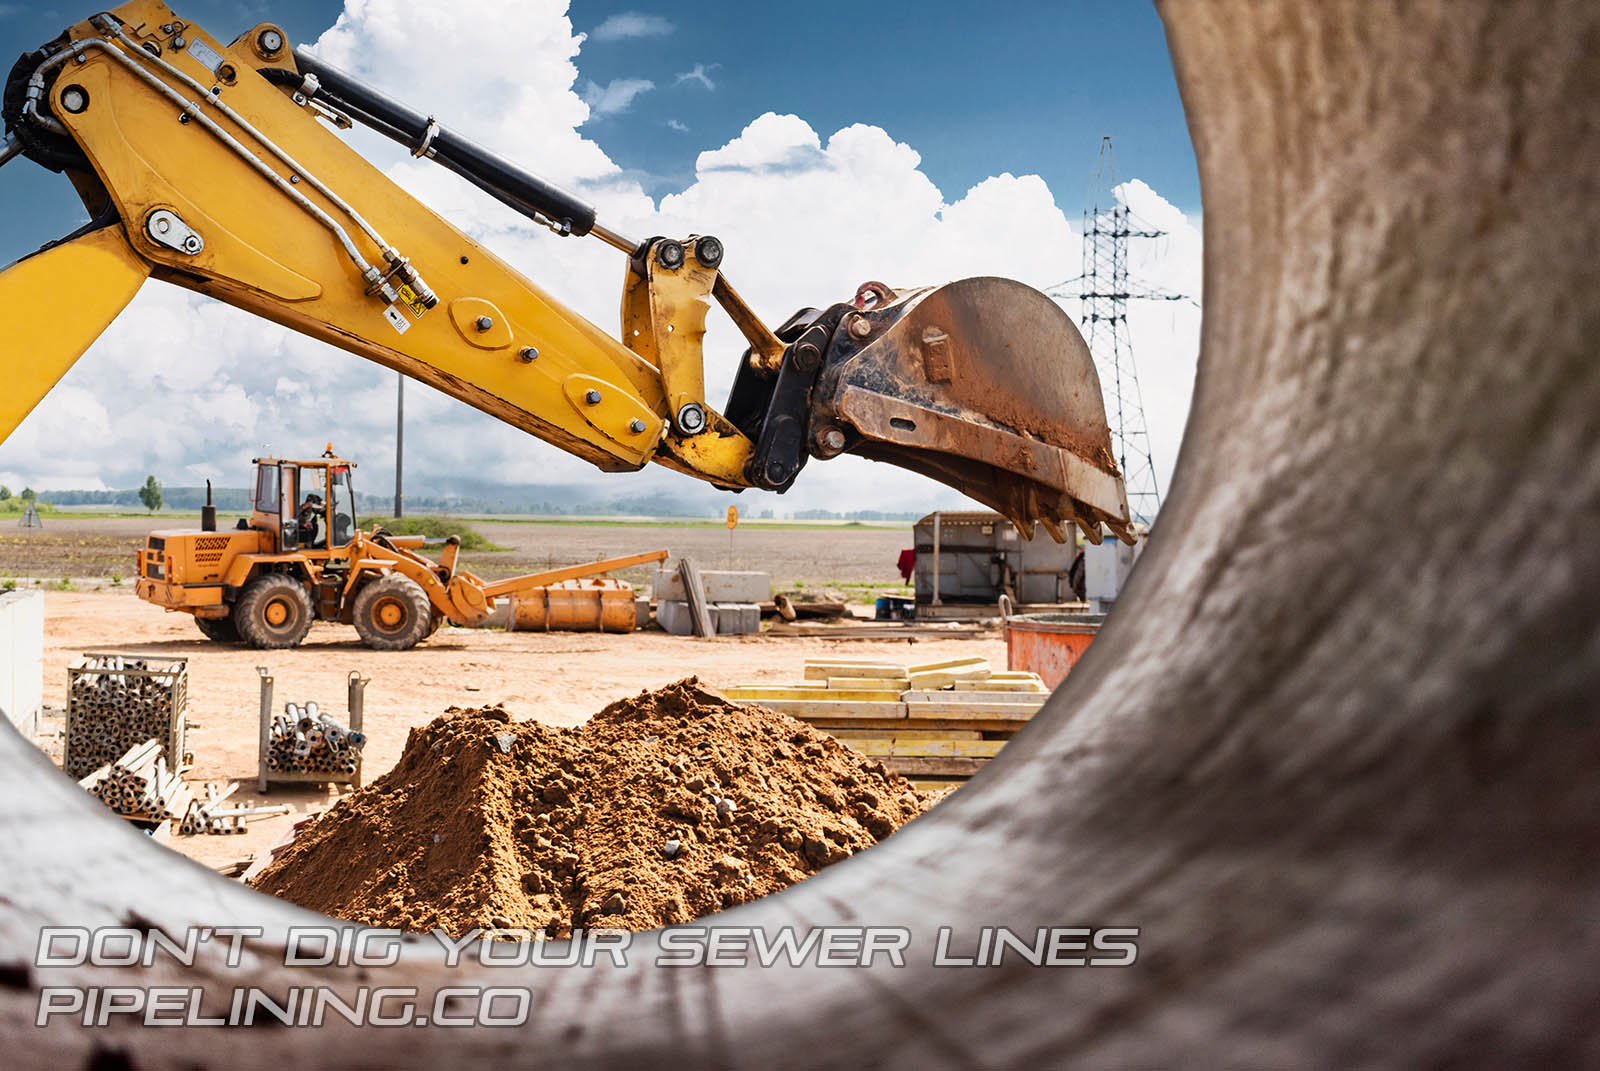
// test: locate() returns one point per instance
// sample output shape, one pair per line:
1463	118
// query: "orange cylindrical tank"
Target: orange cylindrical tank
1049	644
593	604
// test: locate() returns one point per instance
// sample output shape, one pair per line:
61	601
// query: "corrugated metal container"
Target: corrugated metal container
982	556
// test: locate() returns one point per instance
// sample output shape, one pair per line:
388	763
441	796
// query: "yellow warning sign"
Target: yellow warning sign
409	298
733	517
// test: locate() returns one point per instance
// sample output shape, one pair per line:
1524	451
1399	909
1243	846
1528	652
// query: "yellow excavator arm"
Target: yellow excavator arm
218	167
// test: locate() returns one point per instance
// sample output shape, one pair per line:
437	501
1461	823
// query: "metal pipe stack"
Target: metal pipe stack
200	819
305	740
209	816
138	785
114	703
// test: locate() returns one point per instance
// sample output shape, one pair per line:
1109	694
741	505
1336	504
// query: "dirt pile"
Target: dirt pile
662	808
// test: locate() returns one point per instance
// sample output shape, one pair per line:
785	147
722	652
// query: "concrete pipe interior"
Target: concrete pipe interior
1336	759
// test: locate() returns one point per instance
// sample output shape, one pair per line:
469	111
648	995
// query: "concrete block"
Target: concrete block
736	618
675	616
721	586
22	659
641	612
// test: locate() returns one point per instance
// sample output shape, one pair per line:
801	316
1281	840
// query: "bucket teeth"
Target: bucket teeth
984	385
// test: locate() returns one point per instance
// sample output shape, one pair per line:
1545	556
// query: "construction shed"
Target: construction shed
977	556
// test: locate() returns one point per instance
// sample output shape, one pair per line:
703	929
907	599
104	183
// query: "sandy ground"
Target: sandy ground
558	678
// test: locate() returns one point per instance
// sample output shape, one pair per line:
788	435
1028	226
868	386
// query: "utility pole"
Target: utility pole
399	438
1103	290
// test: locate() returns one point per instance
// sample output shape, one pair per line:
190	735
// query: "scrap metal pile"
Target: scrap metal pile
304	740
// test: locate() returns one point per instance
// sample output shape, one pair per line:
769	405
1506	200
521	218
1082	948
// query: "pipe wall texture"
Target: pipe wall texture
1335	755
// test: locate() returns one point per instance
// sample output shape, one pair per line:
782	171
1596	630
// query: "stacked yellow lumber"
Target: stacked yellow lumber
937	723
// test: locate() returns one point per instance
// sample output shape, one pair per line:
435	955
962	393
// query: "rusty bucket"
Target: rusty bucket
1049	644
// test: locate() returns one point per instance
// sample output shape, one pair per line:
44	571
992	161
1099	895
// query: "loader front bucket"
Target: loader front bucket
982	384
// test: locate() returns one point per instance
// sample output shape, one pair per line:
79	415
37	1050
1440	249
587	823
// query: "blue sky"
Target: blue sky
1025	87
824	148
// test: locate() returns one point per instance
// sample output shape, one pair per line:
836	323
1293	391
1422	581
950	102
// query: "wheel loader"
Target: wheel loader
218	166
300	557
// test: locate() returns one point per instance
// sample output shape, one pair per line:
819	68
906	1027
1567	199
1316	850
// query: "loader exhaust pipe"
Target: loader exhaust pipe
208	512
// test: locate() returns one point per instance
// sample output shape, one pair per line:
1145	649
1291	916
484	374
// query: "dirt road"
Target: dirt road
557	678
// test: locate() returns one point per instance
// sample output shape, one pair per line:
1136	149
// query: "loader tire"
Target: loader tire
217	629
393	614
273	611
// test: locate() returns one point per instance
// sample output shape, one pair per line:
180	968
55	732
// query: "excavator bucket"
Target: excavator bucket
985	385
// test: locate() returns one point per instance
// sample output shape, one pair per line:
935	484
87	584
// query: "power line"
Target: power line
1103	290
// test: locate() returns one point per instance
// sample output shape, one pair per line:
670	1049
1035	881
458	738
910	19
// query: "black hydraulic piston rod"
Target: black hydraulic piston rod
520	190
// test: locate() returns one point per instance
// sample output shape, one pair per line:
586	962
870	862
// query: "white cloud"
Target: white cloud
673	124
700	74
614	97
628	24
805	219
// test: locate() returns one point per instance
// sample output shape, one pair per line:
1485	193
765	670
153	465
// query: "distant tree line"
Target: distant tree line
226	498
856	515
236	501
17	505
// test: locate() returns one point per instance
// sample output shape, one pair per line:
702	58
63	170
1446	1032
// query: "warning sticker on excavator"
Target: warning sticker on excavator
204	55
397	319
409	298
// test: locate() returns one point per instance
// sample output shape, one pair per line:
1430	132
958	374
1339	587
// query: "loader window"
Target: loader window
267	488
342	499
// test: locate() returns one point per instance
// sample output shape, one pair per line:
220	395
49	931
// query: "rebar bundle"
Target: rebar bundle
114	703
305	740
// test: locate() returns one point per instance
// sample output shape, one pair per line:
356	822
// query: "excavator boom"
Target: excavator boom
217	167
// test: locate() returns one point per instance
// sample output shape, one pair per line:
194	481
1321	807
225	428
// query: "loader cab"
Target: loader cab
306	505
277	493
